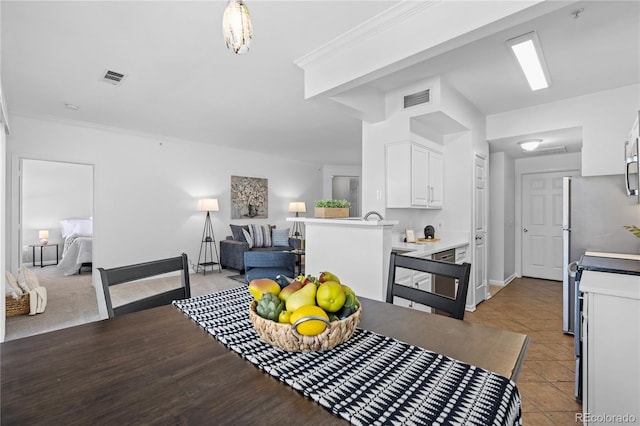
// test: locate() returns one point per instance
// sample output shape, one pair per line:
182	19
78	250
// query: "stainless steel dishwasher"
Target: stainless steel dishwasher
445	286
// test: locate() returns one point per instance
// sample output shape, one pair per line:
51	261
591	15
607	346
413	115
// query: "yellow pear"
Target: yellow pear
290	289
305	296
328	276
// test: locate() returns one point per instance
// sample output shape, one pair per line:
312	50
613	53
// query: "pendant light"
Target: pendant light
236	26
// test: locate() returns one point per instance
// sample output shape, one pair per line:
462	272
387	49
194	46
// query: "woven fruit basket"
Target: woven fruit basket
284	336
15	307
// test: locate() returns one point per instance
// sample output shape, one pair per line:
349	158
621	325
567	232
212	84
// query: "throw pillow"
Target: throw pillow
236	231
261	235
280	237
247	237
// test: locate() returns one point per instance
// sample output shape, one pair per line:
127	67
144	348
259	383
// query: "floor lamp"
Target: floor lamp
208	244
297	207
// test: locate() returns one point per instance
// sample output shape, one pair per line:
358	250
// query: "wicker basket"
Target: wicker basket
19	306
285	337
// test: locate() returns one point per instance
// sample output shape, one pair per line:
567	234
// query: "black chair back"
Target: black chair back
124	274
455	307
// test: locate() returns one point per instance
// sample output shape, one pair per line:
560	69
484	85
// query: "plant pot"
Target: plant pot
331	212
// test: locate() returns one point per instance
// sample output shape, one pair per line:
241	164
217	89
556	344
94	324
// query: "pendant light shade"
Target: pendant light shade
236	26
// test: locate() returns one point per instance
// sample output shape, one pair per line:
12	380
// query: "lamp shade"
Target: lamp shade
298	207
208	205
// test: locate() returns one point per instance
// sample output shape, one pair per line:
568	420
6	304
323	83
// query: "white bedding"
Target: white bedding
77	250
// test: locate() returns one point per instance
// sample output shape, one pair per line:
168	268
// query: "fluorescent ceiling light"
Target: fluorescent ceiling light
526	49
529	144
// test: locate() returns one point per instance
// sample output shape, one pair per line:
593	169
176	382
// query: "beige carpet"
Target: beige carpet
71	300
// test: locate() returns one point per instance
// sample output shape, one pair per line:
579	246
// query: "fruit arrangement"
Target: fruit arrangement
304	314
308	304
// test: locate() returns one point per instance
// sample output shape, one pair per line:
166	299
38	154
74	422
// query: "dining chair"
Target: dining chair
130	273
268	264
454	307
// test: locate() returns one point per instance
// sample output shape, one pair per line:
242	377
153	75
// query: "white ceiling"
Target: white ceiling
183	83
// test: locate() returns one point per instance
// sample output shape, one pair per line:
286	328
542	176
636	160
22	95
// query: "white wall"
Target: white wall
146	188
605	117
52	191
502	218
3	228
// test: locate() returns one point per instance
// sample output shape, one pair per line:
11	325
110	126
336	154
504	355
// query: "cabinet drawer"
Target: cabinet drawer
461	254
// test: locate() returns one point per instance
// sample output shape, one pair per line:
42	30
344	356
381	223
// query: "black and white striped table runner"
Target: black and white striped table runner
370	379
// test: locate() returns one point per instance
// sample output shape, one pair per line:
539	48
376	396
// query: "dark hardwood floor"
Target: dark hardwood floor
534	307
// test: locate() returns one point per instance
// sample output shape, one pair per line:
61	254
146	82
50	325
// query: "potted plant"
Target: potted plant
331	208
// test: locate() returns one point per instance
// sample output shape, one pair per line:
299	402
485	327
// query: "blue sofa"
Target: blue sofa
233	248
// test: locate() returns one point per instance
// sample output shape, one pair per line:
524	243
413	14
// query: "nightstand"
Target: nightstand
42	246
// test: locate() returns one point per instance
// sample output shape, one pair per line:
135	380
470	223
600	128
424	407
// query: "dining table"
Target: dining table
159	366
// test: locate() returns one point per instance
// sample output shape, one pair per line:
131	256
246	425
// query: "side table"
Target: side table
42	246
300	267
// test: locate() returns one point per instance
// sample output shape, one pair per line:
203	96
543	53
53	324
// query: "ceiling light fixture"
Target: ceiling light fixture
530	144
527	51
236	27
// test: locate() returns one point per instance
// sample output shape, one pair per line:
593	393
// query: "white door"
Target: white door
479	229
542	225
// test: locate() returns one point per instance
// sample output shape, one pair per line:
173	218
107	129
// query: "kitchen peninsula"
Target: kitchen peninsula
358	251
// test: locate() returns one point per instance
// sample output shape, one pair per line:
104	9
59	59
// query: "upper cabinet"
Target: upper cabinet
414	176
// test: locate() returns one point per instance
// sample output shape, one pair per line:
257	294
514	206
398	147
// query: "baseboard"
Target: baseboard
505	282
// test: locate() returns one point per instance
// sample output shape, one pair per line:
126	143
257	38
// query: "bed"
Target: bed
78	245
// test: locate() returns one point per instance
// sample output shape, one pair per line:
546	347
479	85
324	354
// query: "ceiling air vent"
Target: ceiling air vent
416	99
113	77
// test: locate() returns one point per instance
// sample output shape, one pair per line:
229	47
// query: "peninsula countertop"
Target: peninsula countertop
346	221
446	242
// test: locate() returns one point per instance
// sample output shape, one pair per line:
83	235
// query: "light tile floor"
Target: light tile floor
534	307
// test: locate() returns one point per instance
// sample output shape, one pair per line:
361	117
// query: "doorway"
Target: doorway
542	224
49	192
347	188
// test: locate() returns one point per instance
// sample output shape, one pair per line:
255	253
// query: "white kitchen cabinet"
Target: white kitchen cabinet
461	254
435	167
414	176
611	347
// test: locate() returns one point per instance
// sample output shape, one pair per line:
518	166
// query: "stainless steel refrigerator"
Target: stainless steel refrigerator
595	211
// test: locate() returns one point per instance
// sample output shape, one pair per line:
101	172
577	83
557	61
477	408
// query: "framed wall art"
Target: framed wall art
249	198
411	236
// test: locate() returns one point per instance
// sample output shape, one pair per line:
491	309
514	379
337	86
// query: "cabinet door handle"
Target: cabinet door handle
431	194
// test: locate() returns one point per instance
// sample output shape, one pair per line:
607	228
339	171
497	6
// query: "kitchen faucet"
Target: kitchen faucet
366	216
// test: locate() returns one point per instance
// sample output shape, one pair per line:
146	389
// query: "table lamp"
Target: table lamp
208	242
297	207
44	236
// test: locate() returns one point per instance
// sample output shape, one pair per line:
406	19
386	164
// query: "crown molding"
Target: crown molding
381	22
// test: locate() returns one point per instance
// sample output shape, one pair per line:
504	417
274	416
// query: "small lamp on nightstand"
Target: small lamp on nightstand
297	207
44	236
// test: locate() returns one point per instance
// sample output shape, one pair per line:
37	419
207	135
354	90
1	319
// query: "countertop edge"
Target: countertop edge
419	250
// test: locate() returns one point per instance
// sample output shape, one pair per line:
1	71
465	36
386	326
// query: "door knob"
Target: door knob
478	237
525	230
